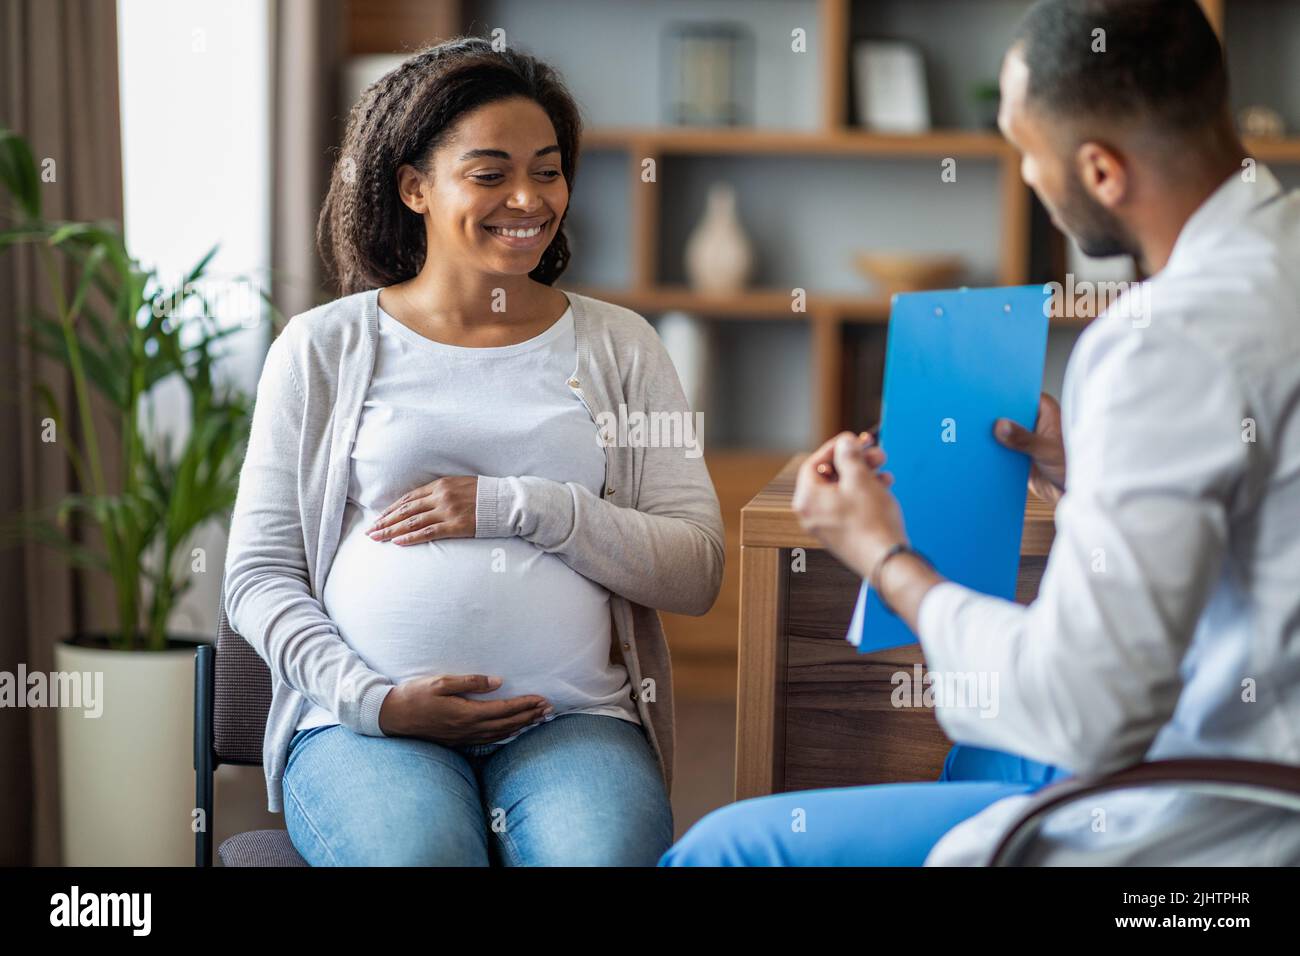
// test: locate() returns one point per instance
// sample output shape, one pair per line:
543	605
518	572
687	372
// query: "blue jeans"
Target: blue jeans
577	790
891	824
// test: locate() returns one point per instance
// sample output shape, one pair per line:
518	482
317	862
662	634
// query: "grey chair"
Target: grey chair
1252	781
232	696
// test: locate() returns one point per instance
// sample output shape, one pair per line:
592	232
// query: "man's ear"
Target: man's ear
1102	172
409	188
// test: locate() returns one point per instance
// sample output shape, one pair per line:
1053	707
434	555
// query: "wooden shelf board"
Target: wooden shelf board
760	304
848	142
747	304
1285	150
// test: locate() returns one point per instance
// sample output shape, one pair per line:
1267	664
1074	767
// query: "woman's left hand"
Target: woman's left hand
444	508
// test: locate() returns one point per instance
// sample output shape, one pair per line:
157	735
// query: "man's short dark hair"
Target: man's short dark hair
1163	64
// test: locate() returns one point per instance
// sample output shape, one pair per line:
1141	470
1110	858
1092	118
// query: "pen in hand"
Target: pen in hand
827	469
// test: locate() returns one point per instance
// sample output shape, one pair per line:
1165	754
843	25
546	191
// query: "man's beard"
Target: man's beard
1094	227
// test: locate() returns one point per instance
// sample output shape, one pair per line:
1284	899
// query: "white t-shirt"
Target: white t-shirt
496	606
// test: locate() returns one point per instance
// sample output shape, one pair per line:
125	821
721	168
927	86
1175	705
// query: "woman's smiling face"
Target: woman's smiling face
496	192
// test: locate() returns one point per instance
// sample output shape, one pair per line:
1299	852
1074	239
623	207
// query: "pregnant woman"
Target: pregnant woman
448	560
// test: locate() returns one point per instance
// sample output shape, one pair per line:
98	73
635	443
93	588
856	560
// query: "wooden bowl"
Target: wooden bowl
909	272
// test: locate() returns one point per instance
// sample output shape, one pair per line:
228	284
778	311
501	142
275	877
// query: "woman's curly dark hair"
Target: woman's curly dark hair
366	236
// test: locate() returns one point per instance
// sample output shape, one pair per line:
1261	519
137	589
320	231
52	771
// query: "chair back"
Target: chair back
241	697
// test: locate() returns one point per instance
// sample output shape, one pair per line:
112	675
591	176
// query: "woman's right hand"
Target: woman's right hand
431	708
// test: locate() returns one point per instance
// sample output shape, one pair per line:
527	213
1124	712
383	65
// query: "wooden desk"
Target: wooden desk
811	711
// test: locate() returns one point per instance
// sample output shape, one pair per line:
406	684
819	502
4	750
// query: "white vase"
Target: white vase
687	341
126	777
719	255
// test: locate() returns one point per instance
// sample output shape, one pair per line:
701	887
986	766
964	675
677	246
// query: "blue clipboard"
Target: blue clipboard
956	361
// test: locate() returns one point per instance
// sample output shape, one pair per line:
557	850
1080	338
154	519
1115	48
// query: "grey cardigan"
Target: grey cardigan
654	540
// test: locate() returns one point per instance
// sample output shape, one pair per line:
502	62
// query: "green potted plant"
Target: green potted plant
987	97
124	698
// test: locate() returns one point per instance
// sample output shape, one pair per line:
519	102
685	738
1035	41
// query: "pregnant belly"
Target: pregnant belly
495	606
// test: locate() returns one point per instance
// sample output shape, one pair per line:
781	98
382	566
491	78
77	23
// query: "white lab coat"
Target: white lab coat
1167	622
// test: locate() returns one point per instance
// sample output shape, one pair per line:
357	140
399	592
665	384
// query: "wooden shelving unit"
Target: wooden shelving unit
704	648
826	312
701	645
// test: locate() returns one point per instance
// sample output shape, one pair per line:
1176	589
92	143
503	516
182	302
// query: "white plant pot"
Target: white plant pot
126	777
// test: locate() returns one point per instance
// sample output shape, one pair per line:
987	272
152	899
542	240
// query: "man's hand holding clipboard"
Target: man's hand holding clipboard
962	368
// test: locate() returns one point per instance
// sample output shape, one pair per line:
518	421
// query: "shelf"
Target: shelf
1285	150
686	140
763	304
748	304
976	144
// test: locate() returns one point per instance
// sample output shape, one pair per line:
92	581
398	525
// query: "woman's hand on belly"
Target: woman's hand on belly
444	508
431	708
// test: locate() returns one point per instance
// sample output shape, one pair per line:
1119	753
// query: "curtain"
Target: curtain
308	52
59	90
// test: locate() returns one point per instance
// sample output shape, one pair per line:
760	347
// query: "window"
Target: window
195	102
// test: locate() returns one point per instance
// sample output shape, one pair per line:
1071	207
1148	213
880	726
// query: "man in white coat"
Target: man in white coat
1167	623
